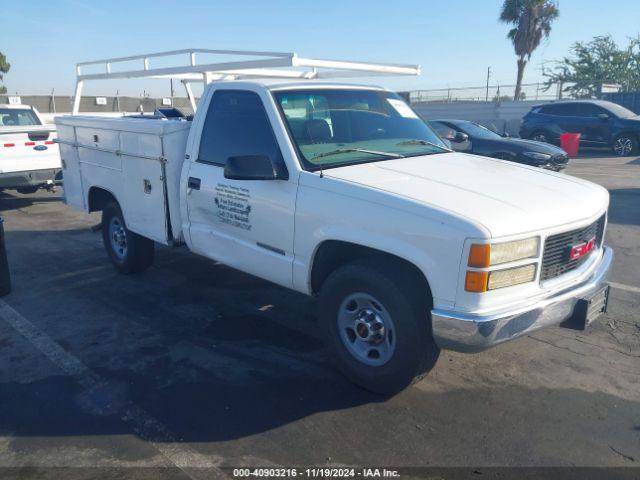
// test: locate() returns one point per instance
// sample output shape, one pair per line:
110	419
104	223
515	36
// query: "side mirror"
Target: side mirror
254	167
603	116
505	135
460	137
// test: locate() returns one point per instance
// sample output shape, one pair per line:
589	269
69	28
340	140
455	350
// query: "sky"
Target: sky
454	41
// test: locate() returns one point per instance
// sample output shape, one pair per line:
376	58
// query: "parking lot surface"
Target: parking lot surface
192	364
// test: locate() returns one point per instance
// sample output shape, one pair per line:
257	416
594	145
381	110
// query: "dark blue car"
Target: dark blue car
600	123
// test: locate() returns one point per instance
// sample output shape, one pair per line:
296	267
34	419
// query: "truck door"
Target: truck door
244	224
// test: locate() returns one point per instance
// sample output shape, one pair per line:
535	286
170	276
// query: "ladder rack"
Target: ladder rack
252	65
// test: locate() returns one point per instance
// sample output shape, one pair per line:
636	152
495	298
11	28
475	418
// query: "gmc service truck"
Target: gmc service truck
342	192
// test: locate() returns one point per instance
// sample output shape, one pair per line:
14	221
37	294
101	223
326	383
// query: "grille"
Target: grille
555	261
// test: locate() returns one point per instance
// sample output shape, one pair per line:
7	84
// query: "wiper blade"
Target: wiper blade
361	150
421	142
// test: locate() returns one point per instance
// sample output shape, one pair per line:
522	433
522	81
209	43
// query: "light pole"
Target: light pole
486	98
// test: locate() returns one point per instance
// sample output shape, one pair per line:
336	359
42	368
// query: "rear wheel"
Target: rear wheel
541	136
378	331
625	145
128	251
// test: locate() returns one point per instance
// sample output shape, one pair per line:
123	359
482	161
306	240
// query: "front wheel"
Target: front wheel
27	190
378	331
625	145
128	251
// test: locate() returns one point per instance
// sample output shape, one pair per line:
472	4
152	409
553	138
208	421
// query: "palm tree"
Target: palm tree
4	68
531	20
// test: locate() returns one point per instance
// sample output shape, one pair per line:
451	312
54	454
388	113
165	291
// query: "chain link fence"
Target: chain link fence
491	93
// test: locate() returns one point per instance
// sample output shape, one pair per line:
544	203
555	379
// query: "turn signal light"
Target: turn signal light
476	281
480	255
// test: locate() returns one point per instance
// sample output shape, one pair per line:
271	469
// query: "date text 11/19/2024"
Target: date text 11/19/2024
314	472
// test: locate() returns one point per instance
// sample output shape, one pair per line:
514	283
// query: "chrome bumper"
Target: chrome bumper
472	333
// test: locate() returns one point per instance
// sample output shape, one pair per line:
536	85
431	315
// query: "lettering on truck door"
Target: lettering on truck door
247	224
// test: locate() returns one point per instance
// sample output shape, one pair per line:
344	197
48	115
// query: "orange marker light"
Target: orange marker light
480	256
476	281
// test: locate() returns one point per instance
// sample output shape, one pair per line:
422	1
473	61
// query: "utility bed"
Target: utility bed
138	160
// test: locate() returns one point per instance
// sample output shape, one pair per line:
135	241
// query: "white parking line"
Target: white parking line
194	464
628	288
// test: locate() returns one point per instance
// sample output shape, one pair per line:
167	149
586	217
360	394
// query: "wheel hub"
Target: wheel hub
623	146
369	327
366	329
118	236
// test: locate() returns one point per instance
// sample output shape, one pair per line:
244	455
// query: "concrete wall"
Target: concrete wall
500	117
62	104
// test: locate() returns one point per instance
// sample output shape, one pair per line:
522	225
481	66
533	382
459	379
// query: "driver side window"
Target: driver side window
237	125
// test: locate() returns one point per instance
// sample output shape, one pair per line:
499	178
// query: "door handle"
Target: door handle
194	183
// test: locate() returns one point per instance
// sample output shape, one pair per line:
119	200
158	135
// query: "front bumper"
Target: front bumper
472	333
31	178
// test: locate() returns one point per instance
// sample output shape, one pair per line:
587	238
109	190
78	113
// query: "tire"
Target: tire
624	145
128	251
541	136
27	190
406	352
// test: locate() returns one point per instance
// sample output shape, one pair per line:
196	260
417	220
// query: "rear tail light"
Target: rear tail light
9	144
29	144
49	142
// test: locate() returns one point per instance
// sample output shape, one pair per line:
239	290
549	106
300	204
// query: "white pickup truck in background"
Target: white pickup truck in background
342	192
29	157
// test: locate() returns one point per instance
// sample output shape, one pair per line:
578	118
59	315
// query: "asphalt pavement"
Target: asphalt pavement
191	367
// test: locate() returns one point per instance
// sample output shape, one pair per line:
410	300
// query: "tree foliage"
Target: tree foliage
4	68
531	21
596	62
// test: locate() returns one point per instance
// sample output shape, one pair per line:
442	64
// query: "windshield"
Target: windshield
336	127
478	131
619	111
15	117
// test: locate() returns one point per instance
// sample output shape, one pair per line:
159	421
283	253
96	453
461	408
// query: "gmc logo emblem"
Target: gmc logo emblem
582	249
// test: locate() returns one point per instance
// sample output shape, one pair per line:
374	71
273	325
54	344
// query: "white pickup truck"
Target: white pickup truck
342	192
29	158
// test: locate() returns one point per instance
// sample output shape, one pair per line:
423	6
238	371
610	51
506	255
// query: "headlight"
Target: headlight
479	282
487	255
511	276
538	157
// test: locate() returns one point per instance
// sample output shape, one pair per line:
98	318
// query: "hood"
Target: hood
523	145
505	198
533	146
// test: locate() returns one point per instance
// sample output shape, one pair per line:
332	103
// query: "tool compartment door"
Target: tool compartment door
71	179
145	207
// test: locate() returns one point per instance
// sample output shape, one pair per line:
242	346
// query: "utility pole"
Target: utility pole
486	98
